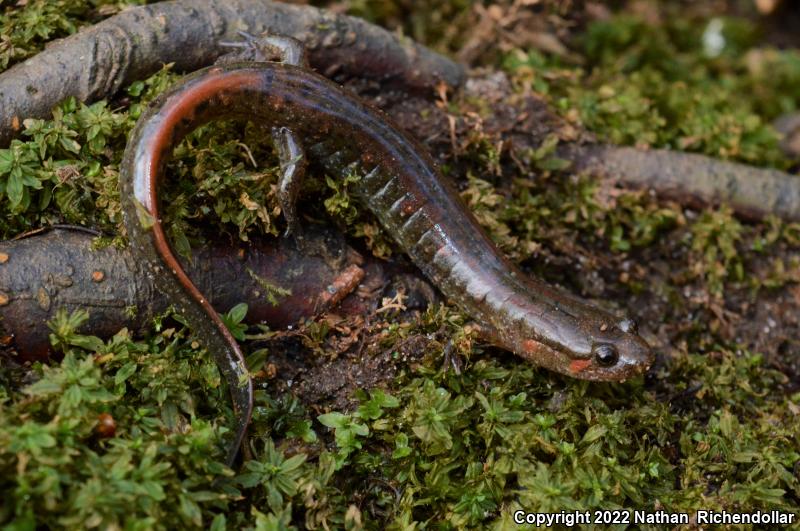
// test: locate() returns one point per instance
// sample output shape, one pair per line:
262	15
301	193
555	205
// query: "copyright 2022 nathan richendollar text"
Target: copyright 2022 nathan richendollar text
625	516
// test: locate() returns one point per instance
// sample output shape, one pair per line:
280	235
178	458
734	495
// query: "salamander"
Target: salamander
402	187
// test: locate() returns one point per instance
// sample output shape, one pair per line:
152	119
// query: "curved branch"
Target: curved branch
693	179
99	60
788	126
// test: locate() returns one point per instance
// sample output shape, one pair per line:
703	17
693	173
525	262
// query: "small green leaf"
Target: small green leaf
333	420
125	372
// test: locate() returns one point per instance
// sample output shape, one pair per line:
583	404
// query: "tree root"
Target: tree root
692	179
97	61
280	284
788	126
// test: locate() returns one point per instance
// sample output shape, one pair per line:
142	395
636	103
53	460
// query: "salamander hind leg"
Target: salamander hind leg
290	153
293	165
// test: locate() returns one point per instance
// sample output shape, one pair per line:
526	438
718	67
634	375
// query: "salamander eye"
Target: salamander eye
606	355
628	326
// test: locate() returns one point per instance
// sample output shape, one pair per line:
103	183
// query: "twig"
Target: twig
692	179
97	61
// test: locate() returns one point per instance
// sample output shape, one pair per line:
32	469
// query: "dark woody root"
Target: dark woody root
280	284
692	179
97	61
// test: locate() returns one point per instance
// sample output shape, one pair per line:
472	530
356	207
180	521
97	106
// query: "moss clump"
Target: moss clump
465	448
664	85
66	169
27	26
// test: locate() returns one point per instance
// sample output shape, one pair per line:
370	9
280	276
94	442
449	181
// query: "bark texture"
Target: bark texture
99	60
692	179
58	269
788	126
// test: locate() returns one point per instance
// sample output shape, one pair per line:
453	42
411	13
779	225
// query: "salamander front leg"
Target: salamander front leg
293	166
265	48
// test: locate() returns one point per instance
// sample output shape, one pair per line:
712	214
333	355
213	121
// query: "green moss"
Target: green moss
441	24
27	26
714	238
461	448
67	169
664	85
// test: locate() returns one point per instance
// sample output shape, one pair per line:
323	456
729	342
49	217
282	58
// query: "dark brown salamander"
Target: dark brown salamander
402	187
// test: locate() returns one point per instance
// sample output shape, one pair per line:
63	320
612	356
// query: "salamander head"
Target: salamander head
596	346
